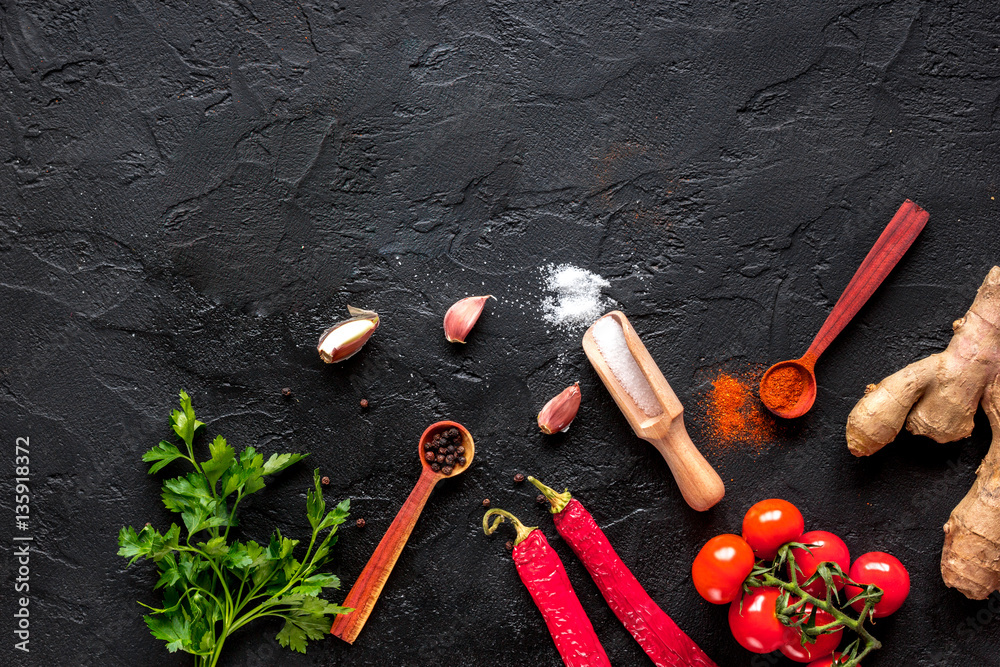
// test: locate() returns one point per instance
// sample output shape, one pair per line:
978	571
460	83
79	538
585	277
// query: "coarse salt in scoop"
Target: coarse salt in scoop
610	339
650	405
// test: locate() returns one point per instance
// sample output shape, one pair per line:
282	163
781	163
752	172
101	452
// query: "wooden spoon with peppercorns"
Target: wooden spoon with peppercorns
446	449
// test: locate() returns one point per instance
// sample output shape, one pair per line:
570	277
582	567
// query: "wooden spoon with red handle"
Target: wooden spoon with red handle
896	239
368	587
700	485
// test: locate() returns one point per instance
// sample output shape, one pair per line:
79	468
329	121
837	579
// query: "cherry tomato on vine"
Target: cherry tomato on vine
756	626
828	661
886	572
828	548
720	568
770	524
824	644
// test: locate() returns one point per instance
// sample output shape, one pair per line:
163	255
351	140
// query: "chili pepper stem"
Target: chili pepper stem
558	501
522	530
857	625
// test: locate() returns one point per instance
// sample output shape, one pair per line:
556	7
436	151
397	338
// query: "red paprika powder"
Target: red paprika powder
733	414
783	388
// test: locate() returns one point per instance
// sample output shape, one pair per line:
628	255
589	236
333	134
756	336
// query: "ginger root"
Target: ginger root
937	397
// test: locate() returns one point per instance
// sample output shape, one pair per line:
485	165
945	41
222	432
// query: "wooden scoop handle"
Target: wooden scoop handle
367	588
700	485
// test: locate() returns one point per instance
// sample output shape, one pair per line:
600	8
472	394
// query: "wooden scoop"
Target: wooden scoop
699	483
368	587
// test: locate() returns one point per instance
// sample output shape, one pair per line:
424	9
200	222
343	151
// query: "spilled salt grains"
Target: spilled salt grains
576	298
610	339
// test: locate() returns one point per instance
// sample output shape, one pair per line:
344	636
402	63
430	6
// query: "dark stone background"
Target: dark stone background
191	192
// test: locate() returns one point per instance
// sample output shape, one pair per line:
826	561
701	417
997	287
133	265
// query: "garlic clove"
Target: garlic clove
462	316
560	412
344	339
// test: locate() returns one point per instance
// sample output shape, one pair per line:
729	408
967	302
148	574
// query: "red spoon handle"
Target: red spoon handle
895	240
369	585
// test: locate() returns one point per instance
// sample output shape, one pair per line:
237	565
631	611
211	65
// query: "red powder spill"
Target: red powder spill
733	415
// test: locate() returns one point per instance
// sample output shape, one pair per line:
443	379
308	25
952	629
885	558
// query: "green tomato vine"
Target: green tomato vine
793	599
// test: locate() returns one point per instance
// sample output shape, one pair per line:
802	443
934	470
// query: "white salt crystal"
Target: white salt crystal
610	339
576	298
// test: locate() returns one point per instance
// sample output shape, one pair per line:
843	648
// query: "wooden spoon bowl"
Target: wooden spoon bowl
804	368
368	587
440	427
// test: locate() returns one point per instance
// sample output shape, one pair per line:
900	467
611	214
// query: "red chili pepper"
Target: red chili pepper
544	576
658	635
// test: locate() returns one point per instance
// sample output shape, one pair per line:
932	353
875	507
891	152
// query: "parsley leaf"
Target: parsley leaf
174	630
279	462
183	421
163	454
222	456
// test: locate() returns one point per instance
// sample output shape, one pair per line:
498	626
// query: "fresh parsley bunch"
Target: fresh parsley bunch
212	586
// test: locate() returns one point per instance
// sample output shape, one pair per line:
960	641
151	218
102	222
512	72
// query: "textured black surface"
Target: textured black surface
191	192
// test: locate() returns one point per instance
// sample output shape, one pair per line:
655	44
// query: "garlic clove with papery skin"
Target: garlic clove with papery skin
560	412
462	316
344	339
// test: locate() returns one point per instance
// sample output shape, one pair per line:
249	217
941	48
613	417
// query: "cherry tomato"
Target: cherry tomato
756	627
720	568
828	548
770	524
824	644
886	572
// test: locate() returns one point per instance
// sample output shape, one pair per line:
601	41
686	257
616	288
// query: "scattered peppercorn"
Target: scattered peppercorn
540	499
360	523
364	402
518	478
286	392
509	546
325	481
486	503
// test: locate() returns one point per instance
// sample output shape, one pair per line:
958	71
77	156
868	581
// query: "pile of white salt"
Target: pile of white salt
610	339
576	299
